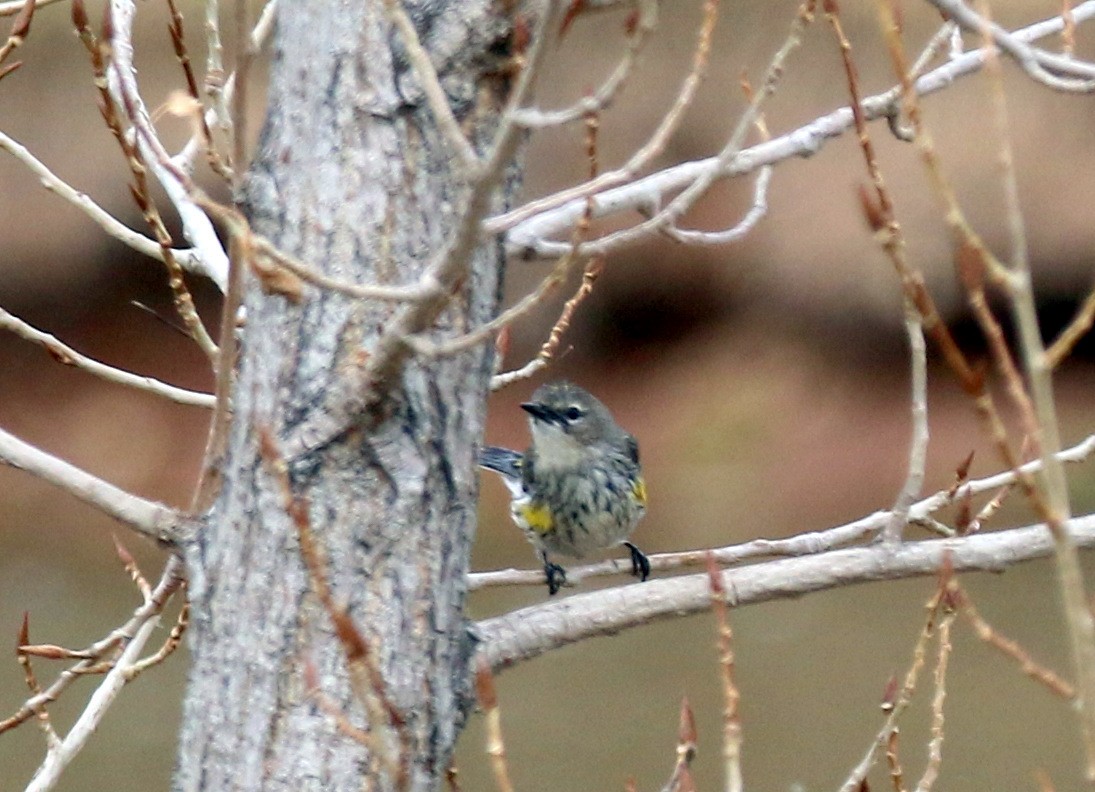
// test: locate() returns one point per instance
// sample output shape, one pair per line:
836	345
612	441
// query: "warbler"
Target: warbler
579	486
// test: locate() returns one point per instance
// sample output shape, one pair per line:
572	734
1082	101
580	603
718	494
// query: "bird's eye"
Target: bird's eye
573	413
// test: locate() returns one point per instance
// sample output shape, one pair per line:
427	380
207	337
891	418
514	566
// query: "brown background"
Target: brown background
766	381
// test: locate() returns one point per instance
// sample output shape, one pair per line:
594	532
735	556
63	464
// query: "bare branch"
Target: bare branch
178	41
680	780
245	56
731	718
918	445
496	746
1047	439
221	95
146	517
1077	328
810	543
529	228
122	84
1041	66
530	632
13	7
70	357
190	259
1033	669
49	773
97	658
609	89
896	700
591	272
935	744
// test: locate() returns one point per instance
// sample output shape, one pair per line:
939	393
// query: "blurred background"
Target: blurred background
766	381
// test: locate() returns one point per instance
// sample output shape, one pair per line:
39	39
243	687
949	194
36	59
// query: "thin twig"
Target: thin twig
70	357
20	29
935	744
221	95
49	772
111	62
1011	649
731	720
918	445
591	272
645	23
1078	616
529	632
12	7
896	704
172	642
531	225
147	517
90	658
496	745
238	104
178	41
1077	328
1042	66
122	85
680	780
897	775
44	722
654	145
189	258
214	70
809	543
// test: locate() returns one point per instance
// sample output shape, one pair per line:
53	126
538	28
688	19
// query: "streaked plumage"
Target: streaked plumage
579	487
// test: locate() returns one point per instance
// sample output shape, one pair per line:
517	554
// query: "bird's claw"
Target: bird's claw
640	564
556	577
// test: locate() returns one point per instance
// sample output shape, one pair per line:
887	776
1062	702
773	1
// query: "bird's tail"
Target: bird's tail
501	460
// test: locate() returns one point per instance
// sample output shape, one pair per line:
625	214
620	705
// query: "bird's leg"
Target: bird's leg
640	564
556	575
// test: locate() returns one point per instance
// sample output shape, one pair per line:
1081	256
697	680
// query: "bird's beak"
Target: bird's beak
542	412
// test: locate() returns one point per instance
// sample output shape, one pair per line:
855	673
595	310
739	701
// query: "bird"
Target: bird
579	487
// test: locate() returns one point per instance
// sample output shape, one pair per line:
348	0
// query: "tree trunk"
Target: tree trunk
352	176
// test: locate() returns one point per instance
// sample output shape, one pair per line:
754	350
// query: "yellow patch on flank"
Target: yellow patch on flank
638	491
537	517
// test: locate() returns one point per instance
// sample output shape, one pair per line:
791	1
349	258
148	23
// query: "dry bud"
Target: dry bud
872	210
20	28
714	576
889	694
686	727
107	32
970	261
124	554
576	7
79	15
484	686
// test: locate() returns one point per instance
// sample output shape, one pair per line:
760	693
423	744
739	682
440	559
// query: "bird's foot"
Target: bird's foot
556	577
640	564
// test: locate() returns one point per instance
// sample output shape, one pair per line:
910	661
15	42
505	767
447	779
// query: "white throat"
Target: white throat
555	449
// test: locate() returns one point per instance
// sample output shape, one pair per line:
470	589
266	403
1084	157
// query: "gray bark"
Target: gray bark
352	176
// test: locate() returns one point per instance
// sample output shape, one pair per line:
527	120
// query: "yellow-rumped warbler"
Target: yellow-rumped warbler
579	487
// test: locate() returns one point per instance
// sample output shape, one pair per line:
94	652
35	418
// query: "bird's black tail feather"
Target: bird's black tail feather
501	460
